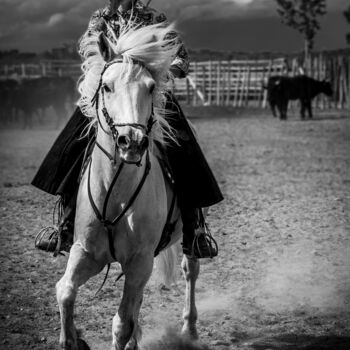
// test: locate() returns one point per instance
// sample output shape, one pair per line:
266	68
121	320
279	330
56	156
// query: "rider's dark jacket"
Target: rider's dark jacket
195	183
104	21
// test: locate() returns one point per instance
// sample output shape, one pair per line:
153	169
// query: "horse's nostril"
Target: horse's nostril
123	141
145	142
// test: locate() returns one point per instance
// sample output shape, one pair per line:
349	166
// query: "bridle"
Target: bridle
109	120
102	216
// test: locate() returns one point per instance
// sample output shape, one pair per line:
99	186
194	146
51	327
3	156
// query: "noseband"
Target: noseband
109	120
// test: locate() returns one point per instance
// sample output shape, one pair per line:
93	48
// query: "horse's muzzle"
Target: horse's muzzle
131	150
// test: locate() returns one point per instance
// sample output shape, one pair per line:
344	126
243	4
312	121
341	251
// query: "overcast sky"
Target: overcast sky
238	25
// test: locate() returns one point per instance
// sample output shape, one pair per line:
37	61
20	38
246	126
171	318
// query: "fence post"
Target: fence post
228	96
218	83
195	81
340	82
348	83
188	92
264	103
247	87
238	81
204	81
23	70
210	88
322	74
242	88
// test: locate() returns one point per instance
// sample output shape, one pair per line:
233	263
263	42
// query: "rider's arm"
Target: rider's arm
180	65
96	24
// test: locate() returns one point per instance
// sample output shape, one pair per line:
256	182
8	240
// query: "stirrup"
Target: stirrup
53	233
211	245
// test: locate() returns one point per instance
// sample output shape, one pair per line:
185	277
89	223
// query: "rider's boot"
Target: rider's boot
58	238
197	239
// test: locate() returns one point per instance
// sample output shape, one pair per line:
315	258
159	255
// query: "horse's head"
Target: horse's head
127	94
129	97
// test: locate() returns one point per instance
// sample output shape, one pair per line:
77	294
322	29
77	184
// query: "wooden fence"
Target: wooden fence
50	68
236	83
241	83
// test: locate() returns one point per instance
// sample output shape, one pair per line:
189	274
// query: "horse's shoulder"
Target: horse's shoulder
159	154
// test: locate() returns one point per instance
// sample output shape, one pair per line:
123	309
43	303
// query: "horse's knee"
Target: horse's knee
190	268
65	293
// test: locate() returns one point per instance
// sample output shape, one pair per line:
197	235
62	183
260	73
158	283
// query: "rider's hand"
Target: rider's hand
177	72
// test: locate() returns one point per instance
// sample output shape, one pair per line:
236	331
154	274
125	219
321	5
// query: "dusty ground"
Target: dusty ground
282	280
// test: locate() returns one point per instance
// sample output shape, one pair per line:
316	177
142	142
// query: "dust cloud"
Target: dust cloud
170	340
301	277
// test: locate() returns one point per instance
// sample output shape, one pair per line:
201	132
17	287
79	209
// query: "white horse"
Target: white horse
124	199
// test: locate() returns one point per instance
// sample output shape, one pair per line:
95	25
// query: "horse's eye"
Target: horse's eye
106	88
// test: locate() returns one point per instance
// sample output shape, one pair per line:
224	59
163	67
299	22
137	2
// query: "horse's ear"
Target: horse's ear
105	47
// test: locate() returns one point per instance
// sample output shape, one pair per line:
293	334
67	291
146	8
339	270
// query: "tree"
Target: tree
302	15
347	16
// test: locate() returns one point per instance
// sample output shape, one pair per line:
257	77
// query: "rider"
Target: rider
195	184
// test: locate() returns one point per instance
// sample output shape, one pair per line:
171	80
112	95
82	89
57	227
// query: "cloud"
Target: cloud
35	25
55	19
243	2
215	9
208	9
42	24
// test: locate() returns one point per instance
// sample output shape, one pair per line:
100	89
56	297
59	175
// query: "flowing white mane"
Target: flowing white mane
155	46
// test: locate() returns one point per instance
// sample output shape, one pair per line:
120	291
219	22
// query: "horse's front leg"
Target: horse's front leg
80	268
190	268
126	330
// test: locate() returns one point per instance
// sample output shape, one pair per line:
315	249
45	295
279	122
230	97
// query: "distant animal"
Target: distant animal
35	95
8	90
281	89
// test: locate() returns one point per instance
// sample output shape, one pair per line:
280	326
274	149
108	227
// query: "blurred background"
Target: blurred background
234	46
282	277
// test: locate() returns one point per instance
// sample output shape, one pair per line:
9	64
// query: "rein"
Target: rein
108	224
102	216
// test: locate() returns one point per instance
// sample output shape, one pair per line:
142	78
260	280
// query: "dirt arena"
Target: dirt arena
282	279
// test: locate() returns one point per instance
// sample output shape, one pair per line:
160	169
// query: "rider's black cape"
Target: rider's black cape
195	183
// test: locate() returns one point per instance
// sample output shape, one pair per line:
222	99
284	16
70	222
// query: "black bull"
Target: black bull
280	90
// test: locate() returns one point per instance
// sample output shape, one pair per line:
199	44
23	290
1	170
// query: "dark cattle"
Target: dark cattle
8	90
280	90
35	95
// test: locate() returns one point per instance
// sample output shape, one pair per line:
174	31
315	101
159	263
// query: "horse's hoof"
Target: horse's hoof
190	333
82	345
131	345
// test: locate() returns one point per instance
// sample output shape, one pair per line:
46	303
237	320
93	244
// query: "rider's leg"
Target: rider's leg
60	238
59	174
195	184
197	241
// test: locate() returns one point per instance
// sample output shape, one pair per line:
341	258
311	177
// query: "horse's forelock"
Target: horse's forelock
152	45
